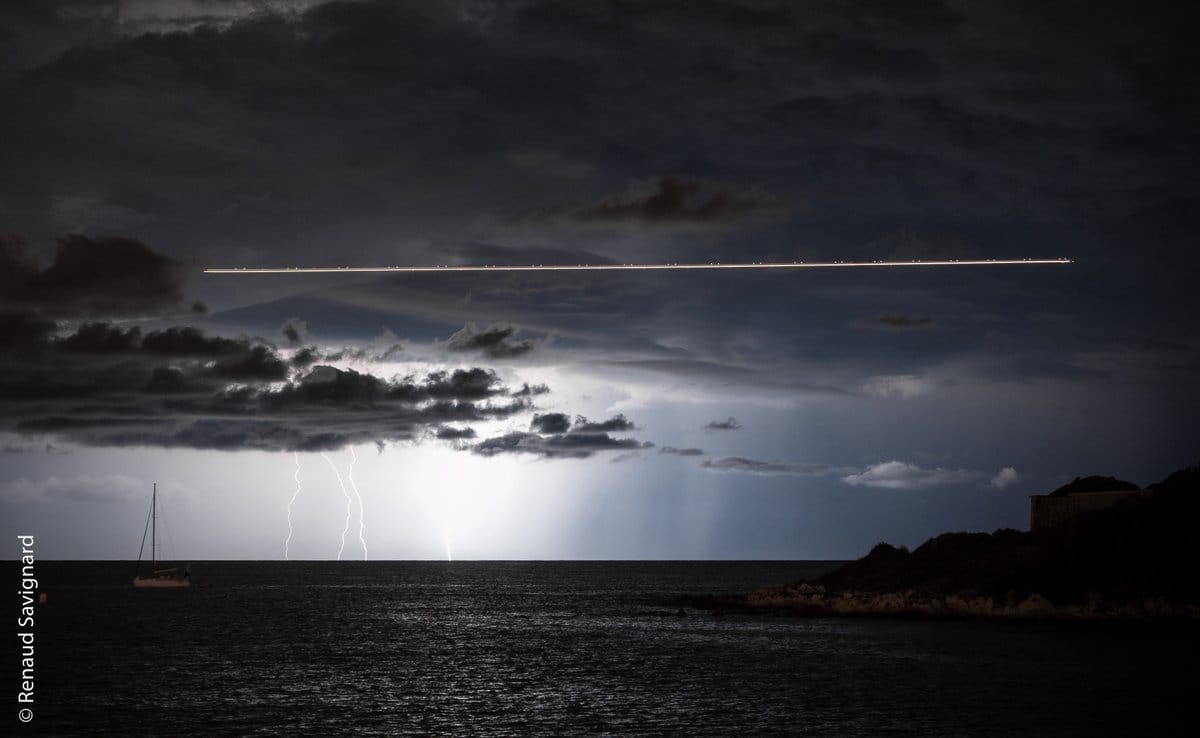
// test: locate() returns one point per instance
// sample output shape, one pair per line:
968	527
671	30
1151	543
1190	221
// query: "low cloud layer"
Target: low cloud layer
758	466
556	437
107	385
884	475
560	446
903	475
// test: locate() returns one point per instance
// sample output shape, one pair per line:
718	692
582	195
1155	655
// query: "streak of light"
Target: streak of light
292	501
637	267
361	511
348	502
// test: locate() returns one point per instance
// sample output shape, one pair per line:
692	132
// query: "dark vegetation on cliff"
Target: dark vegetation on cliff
1145	545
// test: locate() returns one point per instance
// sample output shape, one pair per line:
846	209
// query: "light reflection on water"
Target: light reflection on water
381	648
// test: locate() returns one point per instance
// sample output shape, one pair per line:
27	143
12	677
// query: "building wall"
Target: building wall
1046	511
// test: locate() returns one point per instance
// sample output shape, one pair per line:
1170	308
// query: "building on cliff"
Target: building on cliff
1083	495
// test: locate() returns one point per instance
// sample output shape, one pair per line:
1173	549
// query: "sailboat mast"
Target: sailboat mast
154	527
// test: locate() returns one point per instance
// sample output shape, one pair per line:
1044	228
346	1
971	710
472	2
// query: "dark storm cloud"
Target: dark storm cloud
107	385
237	359
978	108
450	433
170	380
326	408
730	423
616	423
555	436
101	338
327	385
17	265
24	329
904	128
259	364
305	357
560	446
528	390
669	200
91	276
681	451
495	341
550	423
189	341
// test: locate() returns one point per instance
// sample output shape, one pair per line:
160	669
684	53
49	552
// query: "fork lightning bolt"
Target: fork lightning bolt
341	484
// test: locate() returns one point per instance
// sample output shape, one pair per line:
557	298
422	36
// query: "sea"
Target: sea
565	648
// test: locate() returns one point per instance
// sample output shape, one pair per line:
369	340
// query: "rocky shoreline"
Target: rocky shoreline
1134	560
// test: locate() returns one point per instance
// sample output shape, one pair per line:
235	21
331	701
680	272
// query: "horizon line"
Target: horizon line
632	267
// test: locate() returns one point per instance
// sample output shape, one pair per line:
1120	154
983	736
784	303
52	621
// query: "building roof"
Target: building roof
1094	484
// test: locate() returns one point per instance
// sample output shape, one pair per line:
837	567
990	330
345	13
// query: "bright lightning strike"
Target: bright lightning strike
296	476
638	267
361	510
345	529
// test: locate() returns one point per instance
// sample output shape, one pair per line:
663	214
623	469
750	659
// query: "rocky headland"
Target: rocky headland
1139	559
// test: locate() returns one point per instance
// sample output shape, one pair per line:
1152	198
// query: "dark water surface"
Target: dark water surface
554	648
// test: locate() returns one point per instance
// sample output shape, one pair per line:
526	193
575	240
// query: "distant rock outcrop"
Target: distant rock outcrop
1135	559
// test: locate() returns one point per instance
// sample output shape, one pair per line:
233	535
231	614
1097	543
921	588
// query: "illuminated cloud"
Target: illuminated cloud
1005	477
758	466
903	475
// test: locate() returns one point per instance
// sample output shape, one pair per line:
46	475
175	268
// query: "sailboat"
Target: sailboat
158	578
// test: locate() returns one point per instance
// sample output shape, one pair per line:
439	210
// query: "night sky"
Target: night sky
796	414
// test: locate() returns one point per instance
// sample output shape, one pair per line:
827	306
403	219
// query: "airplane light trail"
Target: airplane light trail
348	501
636	267
296	476
361	510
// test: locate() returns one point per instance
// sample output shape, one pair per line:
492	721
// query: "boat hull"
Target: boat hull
161	582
